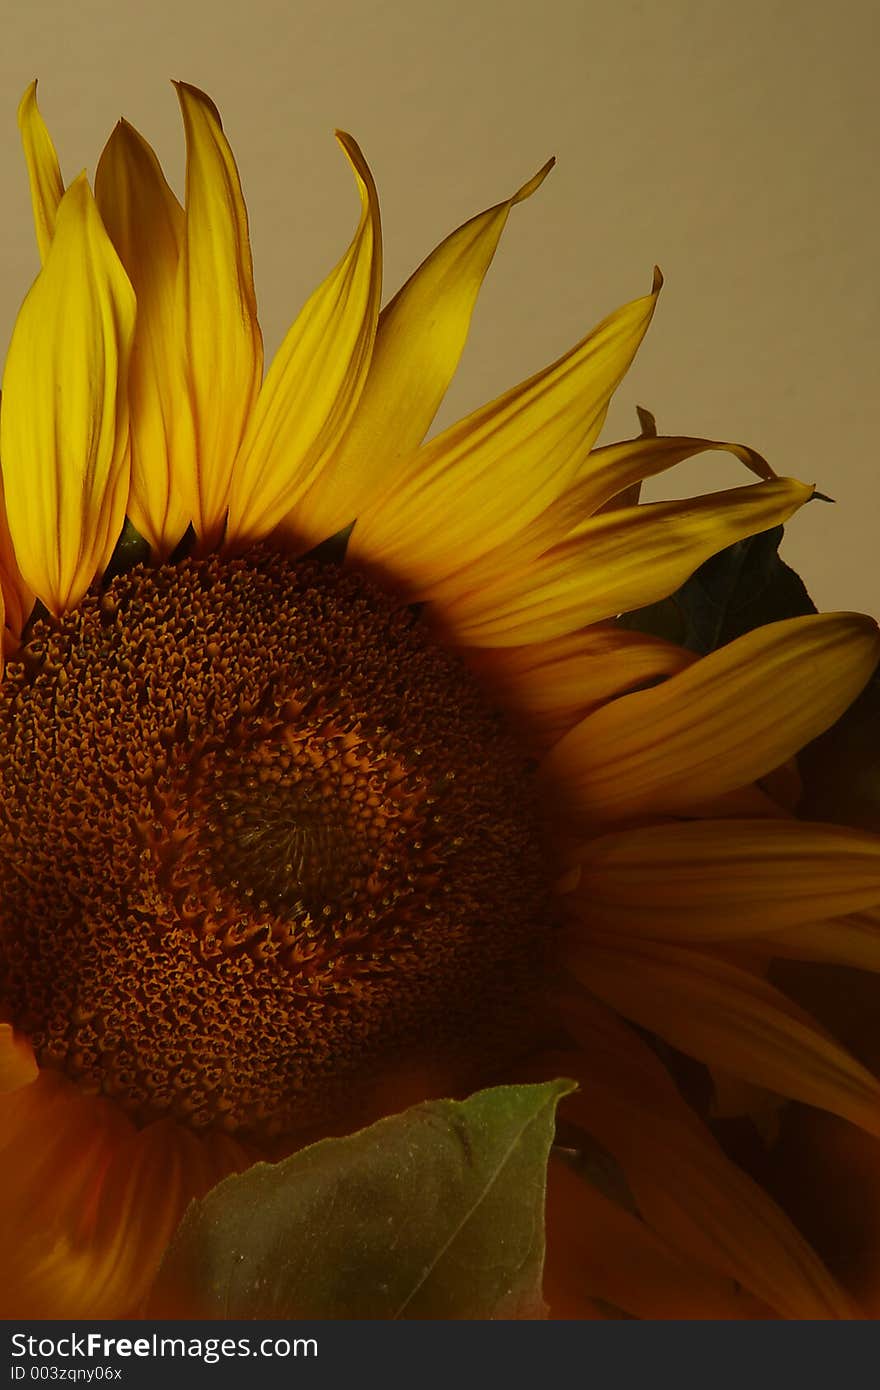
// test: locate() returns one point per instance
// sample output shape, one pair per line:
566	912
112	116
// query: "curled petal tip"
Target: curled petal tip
657	283
534	183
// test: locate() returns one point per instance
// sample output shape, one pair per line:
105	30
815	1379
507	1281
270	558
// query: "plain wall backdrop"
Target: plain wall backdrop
732	143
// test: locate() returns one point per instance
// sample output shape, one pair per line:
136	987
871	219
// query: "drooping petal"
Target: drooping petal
616	467
724	880
18	1066
223	346
44	172
683	1184
608	478
419	341
725	721
727	1017
88	1202
64	418
614	563
484	479
315	381
145	223
549	686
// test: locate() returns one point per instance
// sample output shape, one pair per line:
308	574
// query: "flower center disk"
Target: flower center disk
261	839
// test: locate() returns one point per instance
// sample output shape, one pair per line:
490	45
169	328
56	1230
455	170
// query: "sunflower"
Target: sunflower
330	780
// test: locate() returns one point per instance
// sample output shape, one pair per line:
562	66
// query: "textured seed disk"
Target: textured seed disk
261	840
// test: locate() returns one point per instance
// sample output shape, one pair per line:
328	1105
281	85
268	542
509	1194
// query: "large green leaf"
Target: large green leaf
435	1213
742	587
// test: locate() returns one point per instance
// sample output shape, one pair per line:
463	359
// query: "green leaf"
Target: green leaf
740	588
435	1213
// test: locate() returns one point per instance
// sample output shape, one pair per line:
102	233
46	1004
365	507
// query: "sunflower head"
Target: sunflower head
343	785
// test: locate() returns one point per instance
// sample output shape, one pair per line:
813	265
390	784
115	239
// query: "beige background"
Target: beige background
734	143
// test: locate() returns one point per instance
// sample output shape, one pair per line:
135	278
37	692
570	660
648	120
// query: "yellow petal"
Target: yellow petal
614	563
720	880
64	415
609	477
727	1017
44	173
683	1184
145	223
725	721
484	479
315	381
549	686
613	469
223	345
18	1066
419	341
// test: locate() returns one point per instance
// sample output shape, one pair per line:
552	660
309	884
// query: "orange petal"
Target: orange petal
551	685
18	1065
597	1250
88	1202
684	1186
725	721
727	1017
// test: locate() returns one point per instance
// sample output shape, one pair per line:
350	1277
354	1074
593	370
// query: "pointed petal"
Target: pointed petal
145	223
17	1064
722	880
223	345
64	415
419	341
684	1186
480	482
549	686
44	173
614	563
315	381
727	1017
719	725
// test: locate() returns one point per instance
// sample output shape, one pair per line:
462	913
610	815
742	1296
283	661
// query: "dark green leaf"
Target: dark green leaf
435	1213
740	588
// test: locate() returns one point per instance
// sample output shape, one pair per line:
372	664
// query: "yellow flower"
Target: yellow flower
288	843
